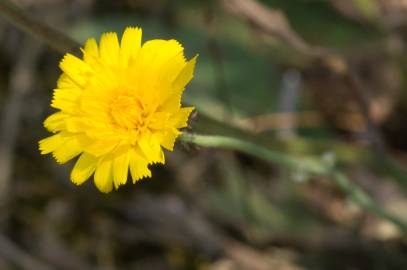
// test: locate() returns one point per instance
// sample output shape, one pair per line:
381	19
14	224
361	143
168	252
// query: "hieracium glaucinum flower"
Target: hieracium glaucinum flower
119	107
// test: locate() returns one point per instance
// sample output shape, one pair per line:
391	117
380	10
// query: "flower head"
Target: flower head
118	107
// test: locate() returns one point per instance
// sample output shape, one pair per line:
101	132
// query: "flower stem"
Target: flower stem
312	166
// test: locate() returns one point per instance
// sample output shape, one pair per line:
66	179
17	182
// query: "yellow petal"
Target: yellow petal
186	75
180	119
64	105
101	147
169	72
68	94
172	103
138	166
72	147
55	122
159	120
153	55
130	44
65	82
121	168
83	168
109	48
51	143
157	52
66	99
90	51
150	146
77	70
167	139
76	124
103	176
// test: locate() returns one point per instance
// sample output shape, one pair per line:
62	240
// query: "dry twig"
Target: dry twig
13	253
21	83
271	21
25	22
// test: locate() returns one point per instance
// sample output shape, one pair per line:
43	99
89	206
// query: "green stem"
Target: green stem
313	166
19	18
362	199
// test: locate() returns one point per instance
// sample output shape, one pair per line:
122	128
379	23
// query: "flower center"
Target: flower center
127	112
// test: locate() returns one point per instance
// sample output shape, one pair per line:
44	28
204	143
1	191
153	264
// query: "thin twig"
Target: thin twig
21	82
272	22
54	38
12	252
280	121
358	91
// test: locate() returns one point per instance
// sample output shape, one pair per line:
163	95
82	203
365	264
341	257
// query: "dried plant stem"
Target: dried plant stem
21	83
312	166
19	257
19	18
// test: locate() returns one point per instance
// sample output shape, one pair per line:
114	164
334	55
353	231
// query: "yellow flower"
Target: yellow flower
118	107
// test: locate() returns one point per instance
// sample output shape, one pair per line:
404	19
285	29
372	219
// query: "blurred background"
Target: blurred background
320	78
